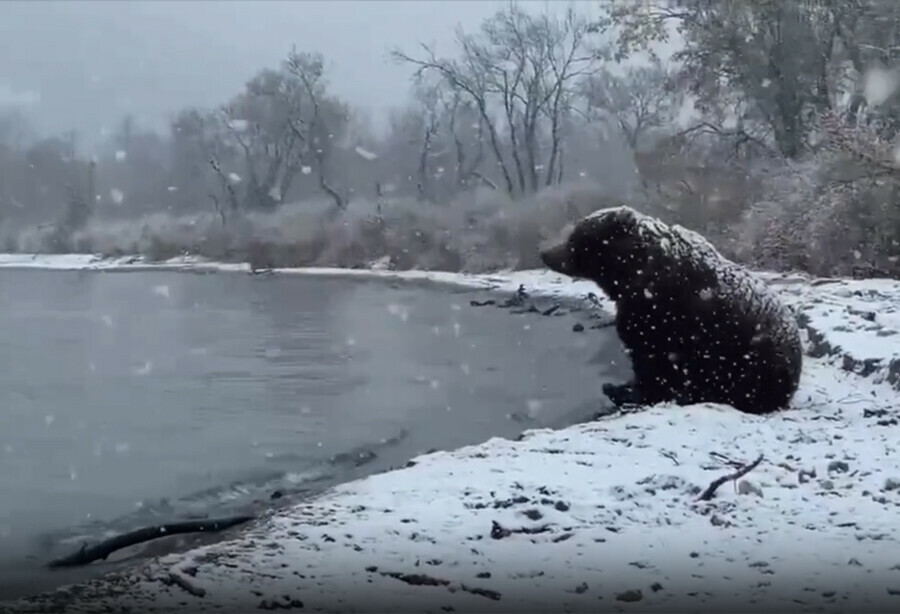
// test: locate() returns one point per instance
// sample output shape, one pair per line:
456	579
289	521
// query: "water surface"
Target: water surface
133	398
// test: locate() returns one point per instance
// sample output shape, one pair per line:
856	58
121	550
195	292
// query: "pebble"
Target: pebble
838	467
891	484
630	596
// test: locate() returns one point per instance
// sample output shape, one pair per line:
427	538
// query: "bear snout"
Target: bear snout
556	258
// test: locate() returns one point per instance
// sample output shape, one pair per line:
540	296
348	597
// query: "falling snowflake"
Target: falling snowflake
879	84
144	369
366	154
117	196
398	310
121	155
234	178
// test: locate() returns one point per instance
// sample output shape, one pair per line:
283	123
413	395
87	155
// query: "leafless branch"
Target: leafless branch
710	491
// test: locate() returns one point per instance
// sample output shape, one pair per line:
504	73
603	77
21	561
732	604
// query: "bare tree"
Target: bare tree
641	100
518	71
317	131
466	129
428	97
258	122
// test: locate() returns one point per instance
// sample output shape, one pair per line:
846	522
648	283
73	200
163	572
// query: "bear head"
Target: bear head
610	247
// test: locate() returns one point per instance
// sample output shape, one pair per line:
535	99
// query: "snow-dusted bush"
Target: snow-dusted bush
482	230
835	214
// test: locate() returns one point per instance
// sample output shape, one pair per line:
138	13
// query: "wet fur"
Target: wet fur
698	327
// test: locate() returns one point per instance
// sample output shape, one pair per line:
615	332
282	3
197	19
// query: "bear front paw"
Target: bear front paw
621	394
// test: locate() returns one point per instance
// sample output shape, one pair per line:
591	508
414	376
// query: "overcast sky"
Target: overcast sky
80	64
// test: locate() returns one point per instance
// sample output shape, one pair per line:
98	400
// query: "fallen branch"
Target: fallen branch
710	492
671	456
102	550
734	464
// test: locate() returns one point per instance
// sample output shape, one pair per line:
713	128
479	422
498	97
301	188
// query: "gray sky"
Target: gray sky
79	64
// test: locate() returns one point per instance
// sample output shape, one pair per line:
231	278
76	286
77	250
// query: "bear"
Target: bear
698	327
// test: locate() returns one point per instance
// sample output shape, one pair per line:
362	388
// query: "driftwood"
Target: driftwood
710	491
102	550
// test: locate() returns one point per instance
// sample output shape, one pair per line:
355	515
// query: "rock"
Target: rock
630	596
838	467
578	327
746	487
533	514
499	532
891	484
581	588
826	484
805	475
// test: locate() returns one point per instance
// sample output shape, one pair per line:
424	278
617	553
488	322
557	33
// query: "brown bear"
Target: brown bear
698	327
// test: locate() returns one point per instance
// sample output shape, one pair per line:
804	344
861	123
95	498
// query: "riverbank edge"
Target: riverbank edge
537	283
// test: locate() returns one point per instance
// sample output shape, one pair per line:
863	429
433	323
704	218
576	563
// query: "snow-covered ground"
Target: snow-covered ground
595	517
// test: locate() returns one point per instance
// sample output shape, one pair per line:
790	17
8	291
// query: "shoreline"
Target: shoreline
503	525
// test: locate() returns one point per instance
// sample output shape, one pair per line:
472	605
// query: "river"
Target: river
128	399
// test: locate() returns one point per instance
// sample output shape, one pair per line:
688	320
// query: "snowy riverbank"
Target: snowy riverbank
595	517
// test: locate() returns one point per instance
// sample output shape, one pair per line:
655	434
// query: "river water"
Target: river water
129	399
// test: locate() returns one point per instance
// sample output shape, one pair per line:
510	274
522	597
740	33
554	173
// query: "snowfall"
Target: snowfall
602	516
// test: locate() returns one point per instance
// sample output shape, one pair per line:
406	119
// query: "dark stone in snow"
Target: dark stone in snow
630	596
838	467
